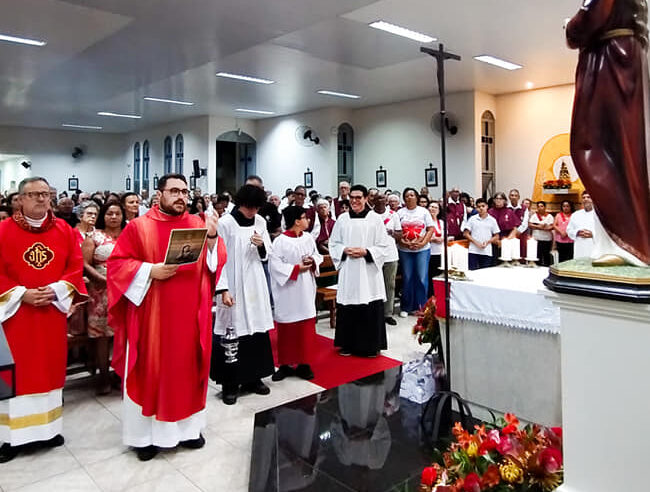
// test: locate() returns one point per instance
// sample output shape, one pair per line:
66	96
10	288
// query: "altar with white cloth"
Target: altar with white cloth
505	344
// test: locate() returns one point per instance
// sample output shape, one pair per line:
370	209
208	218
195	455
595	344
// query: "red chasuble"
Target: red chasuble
170	334
37	336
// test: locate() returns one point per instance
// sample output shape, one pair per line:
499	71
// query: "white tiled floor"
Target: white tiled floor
94	459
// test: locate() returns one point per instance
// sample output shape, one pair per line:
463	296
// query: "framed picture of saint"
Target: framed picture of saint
380	175
431	176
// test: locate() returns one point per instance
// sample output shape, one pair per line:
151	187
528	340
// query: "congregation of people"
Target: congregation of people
94	265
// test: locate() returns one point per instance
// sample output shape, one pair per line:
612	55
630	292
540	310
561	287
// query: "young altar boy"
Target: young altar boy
293	264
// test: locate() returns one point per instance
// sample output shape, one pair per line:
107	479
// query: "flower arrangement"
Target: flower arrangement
427	327
557	184
498	458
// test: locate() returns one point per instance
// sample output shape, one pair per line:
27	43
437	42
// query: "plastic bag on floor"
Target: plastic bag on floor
418	382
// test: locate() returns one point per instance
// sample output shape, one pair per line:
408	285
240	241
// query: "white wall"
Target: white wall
395	136
525	121
50	153
195	133
399	138
282	161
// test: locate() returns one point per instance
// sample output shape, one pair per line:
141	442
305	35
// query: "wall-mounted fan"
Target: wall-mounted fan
451	123
306	136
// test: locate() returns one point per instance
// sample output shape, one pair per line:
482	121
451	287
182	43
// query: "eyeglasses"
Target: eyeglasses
177	191
356	197
32	195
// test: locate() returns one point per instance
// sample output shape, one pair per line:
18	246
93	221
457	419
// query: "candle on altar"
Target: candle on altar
531	249
515	244
460	257
506	250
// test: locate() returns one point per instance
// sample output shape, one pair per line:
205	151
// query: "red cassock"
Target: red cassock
170	334
37	336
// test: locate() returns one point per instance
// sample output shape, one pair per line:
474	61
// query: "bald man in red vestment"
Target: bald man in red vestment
41	271
162	319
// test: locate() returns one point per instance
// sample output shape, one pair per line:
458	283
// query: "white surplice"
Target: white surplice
360	281
243	277
294	299
582	246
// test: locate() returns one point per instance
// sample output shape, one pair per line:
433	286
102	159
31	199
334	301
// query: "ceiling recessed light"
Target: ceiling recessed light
529	85
170	101
84	127
401	31
338	94
14	39
118	115
254	111
245	78
492	60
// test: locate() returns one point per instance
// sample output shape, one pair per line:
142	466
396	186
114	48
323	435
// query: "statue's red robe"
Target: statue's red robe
609	131
170	334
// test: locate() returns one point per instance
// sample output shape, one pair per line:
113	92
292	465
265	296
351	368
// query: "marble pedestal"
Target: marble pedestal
605	393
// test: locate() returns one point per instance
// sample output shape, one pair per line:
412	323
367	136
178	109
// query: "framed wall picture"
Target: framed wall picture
73	184
192	182
380	176
431	176
309	179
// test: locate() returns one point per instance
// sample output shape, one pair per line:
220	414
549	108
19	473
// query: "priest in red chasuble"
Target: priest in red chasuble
40	276
162	319
609	131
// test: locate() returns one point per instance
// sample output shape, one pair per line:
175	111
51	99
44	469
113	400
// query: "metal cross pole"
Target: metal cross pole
441	56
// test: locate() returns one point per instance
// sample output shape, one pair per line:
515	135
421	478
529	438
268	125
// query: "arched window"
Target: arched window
167	152
145	165
346	153
179	154
488	165
136	167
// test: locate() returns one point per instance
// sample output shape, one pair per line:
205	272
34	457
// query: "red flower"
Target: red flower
511	419
429	475
472	483
557	431
491	477
551	460
487	446
509	429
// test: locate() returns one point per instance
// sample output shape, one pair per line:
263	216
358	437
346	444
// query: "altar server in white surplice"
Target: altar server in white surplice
294	263
581	228
244	303
358	247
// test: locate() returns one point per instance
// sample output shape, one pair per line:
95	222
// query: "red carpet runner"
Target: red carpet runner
333	370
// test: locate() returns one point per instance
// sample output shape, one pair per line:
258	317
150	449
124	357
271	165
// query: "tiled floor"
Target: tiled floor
94	459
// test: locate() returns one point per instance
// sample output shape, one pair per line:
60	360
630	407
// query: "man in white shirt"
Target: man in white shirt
394	230
344	194
482	231
541	225
581	228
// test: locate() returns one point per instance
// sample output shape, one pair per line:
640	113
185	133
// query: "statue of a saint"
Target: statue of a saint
610	129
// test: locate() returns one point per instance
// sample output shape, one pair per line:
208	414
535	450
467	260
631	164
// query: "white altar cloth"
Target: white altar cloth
505	296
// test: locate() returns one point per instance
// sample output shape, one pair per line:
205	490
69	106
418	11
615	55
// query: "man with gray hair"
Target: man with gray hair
41	270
